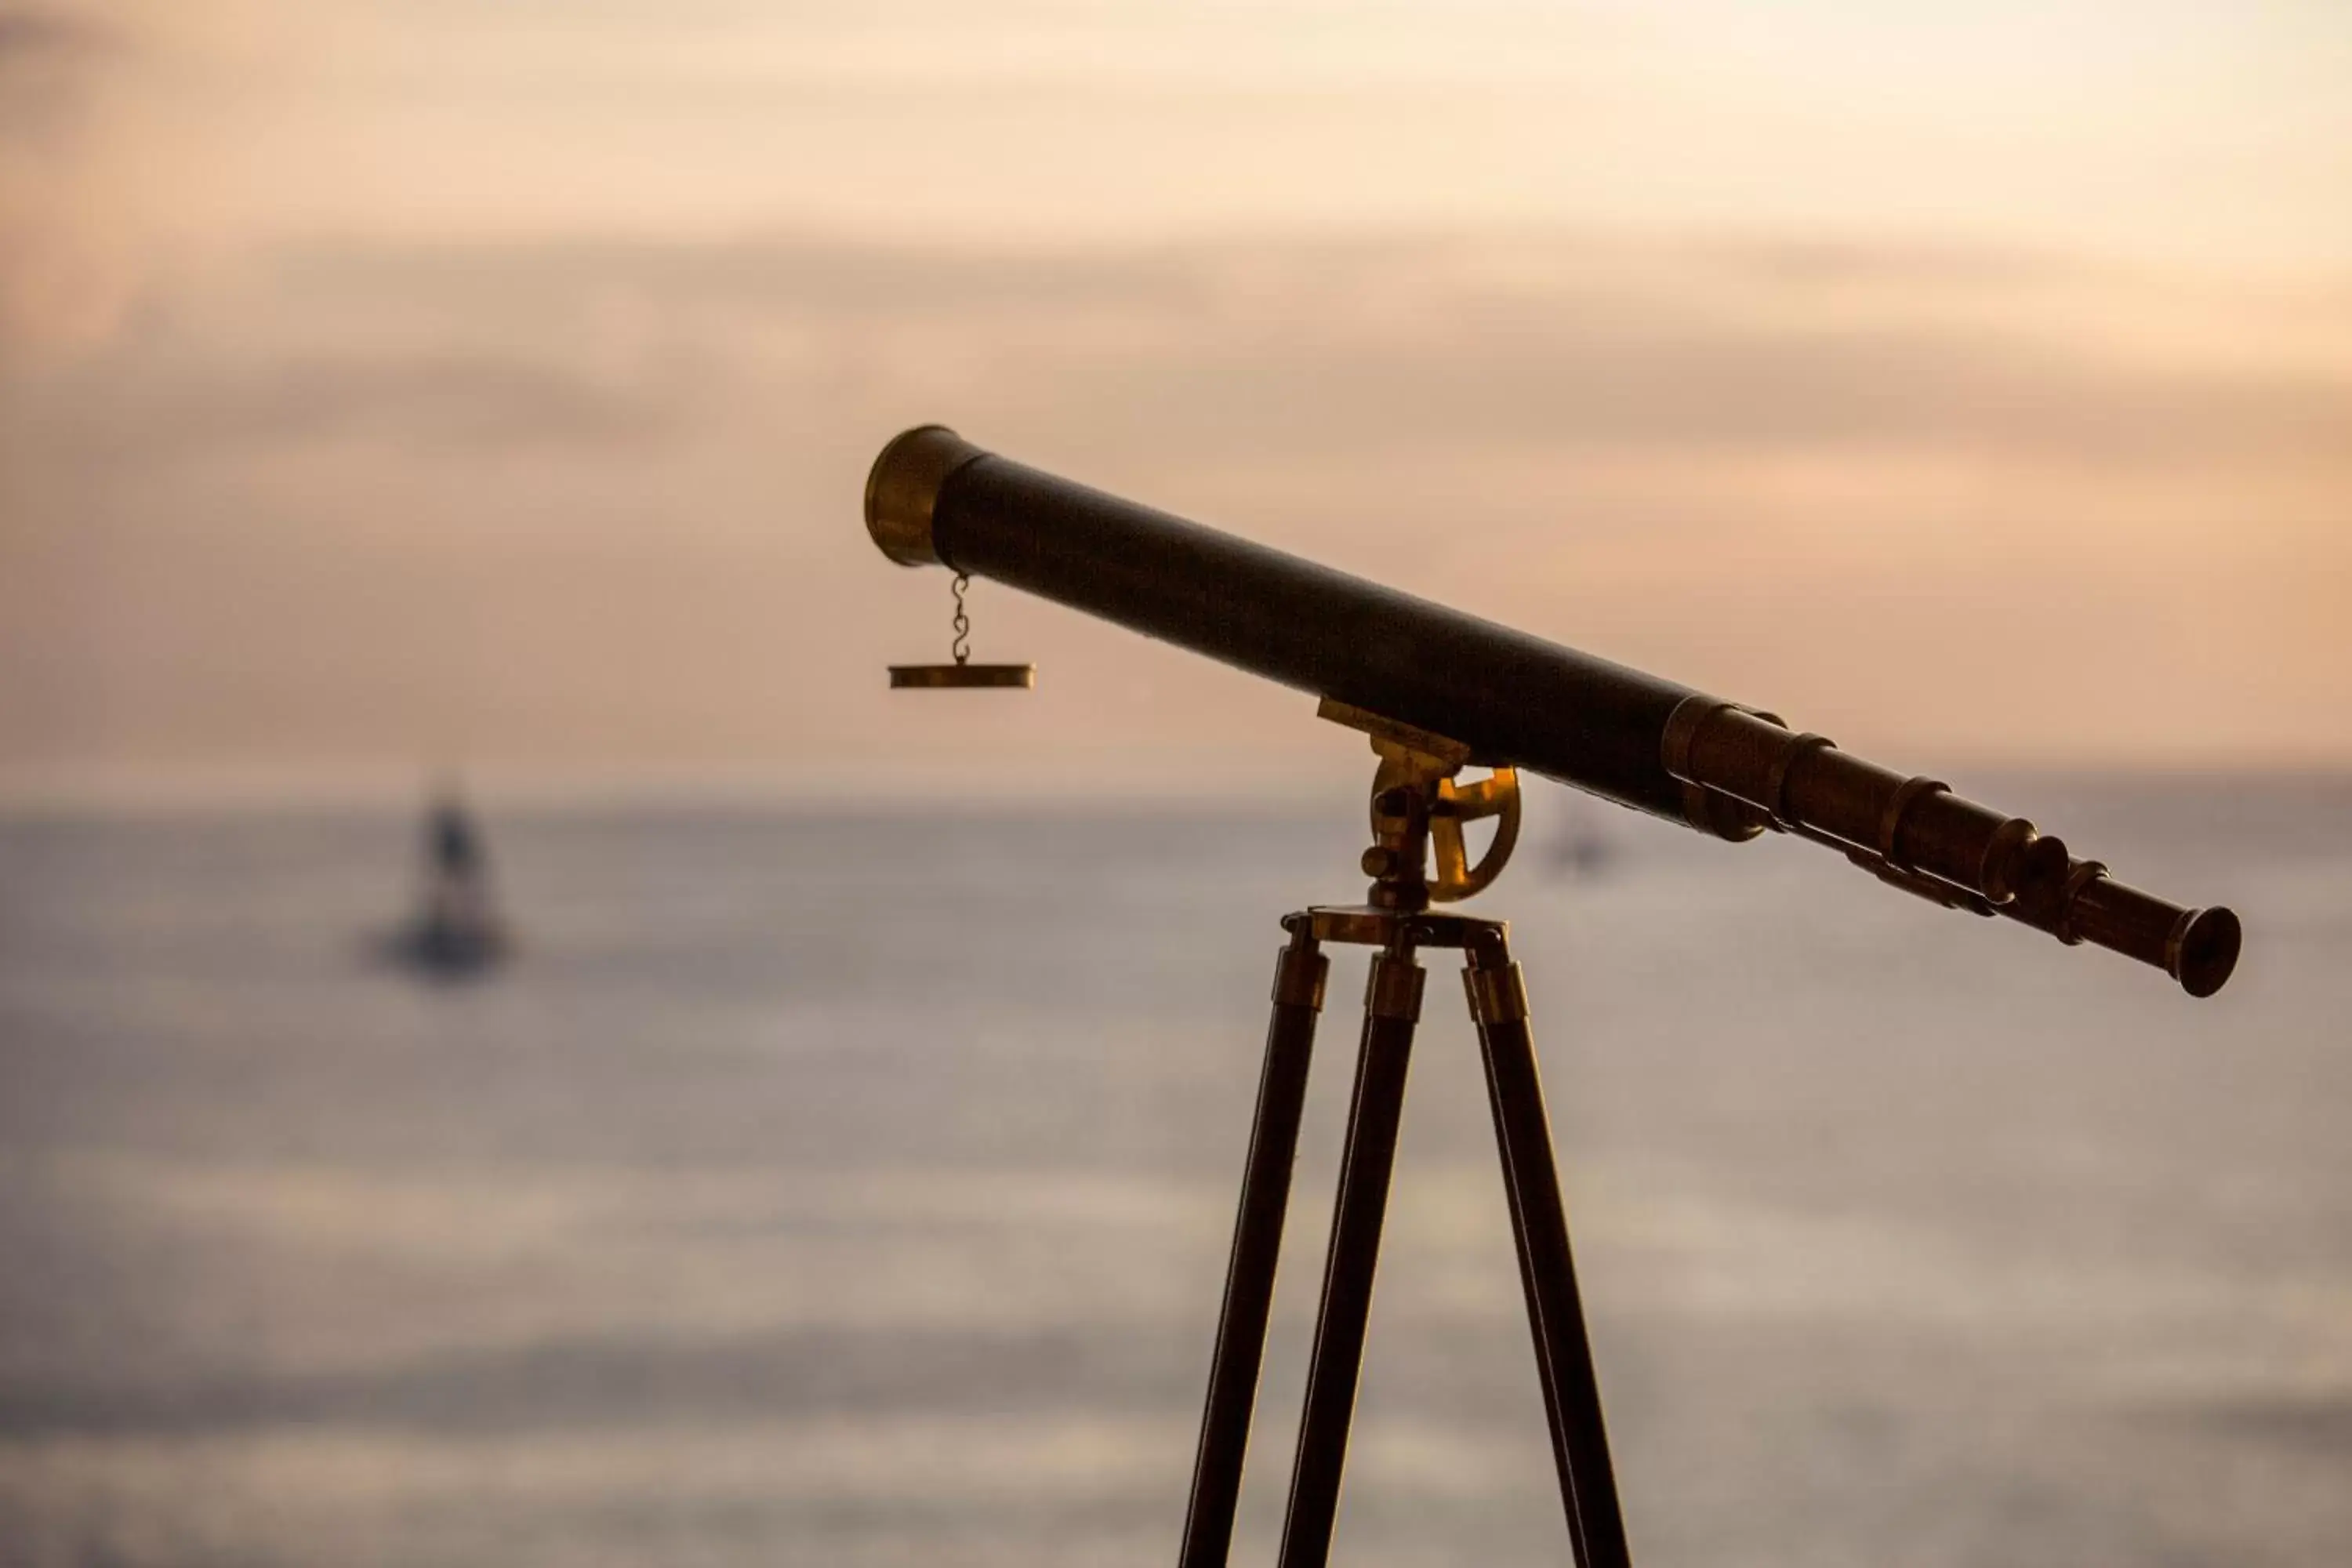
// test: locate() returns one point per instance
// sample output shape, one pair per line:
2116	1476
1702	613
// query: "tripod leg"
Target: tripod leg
1392	1004
1257	1242
1498	1004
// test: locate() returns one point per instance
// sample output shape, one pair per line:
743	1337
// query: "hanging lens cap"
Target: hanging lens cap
941	677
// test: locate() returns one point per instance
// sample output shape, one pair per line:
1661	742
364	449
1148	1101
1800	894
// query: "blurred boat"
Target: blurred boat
456	932
1581	852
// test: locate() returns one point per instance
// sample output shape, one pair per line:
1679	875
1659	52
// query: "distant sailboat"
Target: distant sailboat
455	932
1582	853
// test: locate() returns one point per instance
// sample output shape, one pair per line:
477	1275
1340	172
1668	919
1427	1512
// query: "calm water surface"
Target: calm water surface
854	1190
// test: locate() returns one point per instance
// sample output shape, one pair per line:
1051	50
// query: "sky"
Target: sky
397	386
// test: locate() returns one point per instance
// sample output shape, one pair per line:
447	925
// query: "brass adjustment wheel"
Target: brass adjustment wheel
1497	795
1451	803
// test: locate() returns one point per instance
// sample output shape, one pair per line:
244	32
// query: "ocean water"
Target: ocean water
854	1190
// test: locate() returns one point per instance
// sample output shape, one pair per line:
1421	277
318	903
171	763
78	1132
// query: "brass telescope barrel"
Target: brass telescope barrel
935	498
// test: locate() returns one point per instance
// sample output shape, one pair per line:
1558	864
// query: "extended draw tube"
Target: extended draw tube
935	498
1916	834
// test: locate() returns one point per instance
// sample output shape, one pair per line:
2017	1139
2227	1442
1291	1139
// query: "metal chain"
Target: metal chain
962	646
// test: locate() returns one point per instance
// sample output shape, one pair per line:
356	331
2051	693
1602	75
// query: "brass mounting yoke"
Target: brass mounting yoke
1419	808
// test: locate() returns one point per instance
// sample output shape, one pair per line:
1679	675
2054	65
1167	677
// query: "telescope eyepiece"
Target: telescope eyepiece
2203	950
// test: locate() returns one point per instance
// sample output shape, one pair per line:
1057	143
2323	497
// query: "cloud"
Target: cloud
438	399
58	267
580	500
31	33
1305	347
49	61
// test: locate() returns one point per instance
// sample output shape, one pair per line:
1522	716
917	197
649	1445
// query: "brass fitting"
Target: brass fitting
904	485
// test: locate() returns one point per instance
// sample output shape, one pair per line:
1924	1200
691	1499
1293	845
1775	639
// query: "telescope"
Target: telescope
1513	700
1438	691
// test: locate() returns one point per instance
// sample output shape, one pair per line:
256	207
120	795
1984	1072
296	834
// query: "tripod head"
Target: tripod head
1418	805
1434	687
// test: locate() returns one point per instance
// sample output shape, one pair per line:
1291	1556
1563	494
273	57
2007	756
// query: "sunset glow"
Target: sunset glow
385	383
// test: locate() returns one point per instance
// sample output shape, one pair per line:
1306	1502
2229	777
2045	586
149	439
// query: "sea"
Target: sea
851	1187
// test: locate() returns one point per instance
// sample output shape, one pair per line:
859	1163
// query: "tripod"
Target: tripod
1415	802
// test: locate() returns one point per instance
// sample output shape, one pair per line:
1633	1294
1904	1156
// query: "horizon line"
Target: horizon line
35	792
